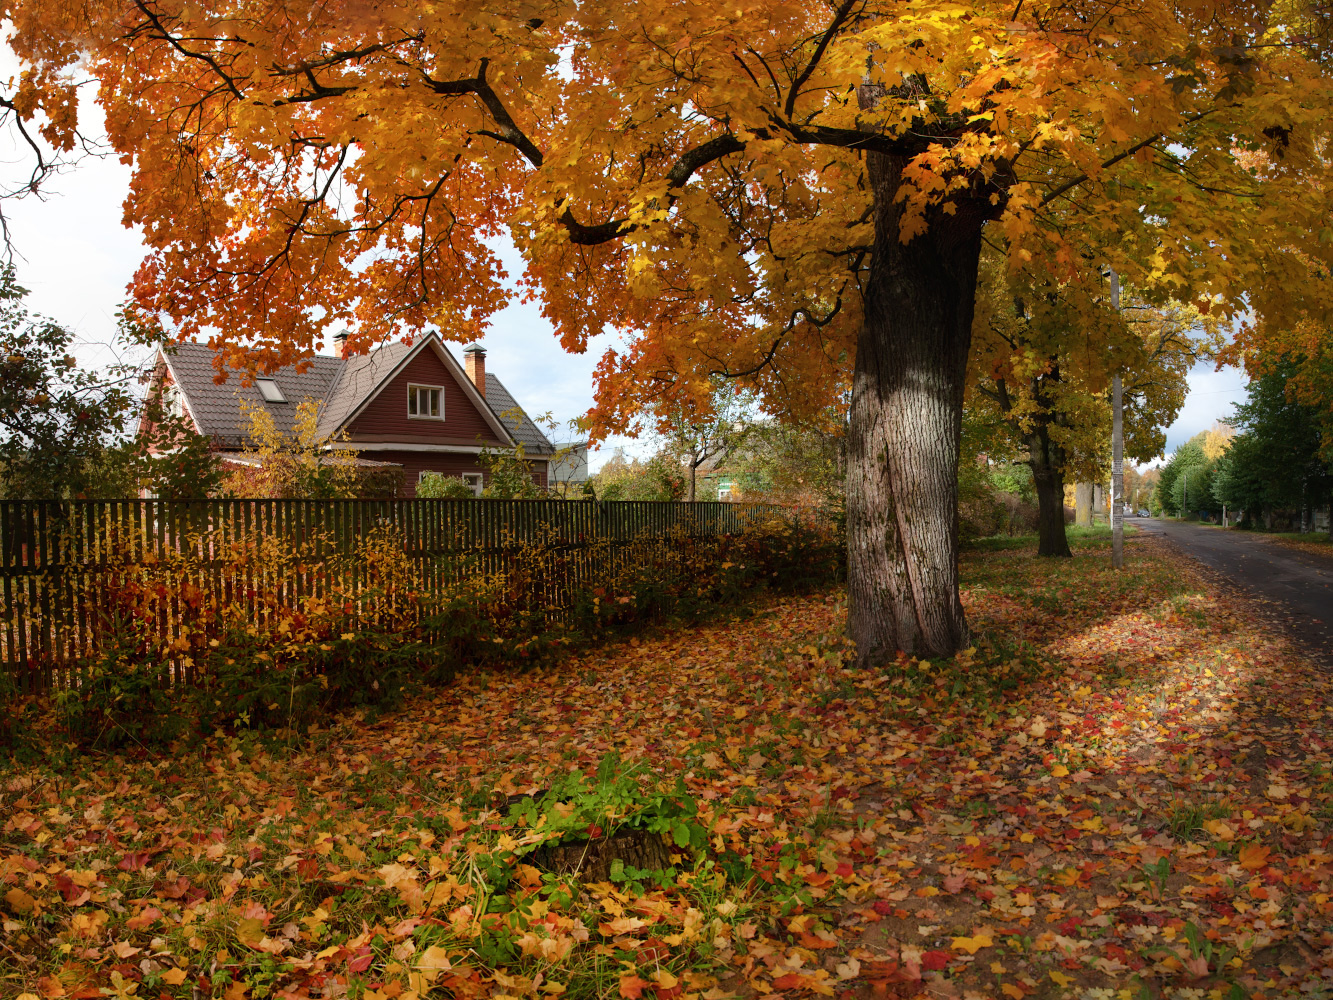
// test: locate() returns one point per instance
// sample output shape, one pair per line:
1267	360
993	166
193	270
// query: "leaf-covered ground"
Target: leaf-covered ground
1124	791
1315	544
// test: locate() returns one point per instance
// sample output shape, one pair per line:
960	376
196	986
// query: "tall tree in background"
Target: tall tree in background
61	428
787	192
1048	390
698	431
1284	456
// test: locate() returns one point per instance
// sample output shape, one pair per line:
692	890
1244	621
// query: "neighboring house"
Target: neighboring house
569	466
411	405
715	481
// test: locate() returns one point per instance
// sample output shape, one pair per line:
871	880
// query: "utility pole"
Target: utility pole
1117	451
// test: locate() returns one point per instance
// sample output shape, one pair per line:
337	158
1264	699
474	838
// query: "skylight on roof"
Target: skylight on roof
268	388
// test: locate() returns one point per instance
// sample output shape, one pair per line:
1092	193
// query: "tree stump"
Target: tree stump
591	860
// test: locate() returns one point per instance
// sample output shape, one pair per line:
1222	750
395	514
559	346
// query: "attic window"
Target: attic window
425	402
268	388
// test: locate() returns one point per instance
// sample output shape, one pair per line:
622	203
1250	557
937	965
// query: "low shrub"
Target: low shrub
122	695
270	635
437	486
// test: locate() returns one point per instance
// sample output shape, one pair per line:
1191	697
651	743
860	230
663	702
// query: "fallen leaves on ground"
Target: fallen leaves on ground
1124	785
1312	544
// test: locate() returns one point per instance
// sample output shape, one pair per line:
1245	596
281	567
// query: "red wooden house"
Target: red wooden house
411	405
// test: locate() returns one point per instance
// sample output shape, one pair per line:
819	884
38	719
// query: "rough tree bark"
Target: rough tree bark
1083	499
905	425
1048	463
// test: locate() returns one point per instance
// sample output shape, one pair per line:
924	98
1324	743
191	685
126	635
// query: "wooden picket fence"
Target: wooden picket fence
54	556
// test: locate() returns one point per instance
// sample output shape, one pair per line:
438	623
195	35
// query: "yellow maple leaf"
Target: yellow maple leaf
1060	979
974	944
20	901
1254	856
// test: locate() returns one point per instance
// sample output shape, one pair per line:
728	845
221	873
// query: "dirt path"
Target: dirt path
1297	586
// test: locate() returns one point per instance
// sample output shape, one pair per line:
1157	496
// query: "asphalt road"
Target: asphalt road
1299	586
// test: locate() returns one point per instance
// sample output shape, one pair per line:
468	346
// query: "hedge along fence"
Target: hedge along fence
173	578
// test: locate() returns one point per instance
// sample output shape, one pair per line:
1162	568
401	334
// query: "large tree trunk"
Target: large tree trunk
905	423
1083	499
1048	474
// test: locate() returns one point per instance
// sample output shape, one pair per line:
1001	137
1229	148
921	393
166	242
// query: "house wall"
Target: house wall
386	419
445	463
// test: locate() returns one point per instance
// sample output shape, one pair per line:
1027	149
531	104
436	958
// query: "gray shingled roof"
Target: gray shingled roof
217	408
516	419
340	385
359	378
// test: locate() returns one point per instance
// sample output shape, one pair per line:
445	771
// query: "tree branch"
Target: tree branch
839	16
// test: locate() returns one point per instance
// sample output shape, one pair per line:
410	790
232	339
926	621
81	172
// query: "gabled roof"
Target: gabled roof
344	387
357	380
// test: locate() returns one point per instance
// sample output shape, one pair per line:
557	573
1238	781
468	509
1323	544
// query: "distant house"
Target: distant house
569	466
411	405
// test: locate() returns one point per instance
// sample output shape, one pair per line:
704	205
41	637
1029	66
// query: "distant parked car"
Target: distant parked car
1145	513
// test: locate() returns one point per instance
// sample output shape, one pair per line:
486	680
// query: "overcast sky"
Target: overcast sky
77	259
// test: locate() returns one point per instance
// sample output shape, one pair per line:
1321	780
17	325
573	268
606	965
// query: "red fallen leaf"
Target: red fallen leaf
934	961
1116	952
668	994
307	868
791	981
361	962
74	895
594	831
631	986
883	907
844	870
654	950
172	890
133	862
255	853
144	918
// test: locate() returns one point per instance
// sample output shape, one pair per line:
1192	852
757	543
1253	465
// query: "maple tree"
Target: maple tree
788	193
1044	357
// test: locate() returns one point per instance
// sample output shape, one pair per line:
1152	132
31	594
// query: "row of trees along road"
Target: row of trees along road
790	193
1279	464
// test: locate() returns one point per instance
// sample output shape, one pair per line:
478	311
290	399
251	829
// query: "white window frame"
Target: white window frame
412	388
174	400
263	383
473	479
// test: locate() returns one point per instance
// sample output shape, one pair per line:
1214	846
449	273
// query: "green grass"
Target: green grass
1078	536
1315	537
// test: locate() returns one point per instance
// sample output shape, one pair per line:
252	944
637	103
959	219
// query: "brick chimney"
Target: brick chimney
340	343
474	360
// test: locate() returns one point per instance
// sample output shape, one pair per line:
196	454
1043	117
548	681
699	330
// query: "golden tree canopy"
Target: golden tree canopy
689	171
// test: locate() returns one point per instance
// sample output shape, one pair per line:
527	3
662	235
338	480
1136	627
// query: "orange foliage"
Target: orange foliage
690	172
